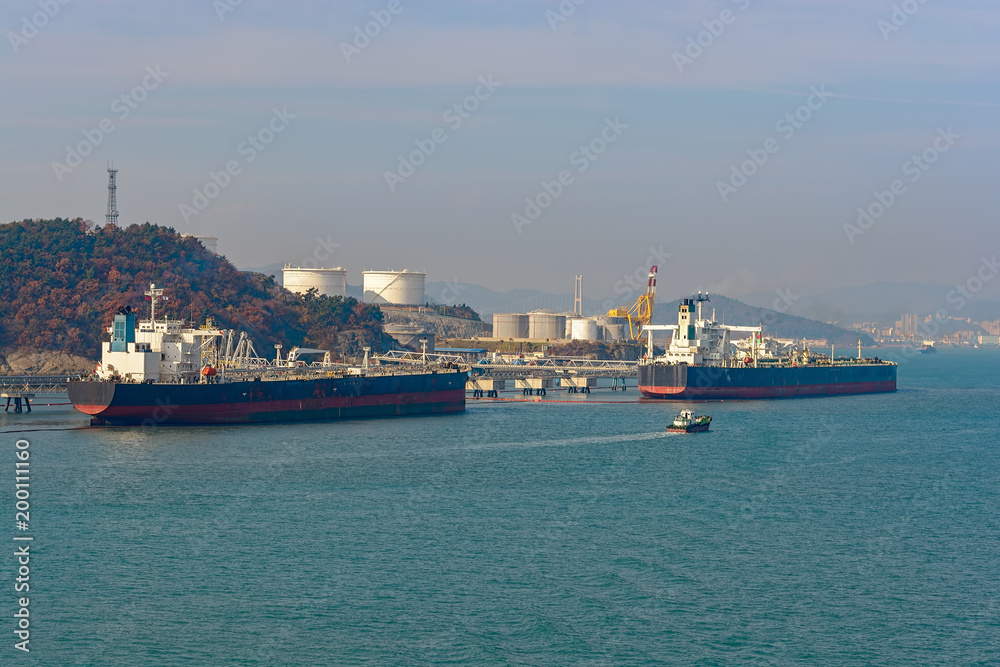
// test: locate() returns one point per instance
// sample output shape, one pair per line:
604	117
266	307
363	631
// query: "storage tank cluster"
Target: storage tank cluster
546	324
331	282
404	288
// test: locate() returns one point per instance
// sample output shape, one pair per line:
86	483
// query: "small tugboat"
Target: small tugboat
687	422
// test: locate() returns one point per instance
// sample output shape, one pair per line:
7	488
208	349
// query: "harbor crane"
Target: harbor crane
640	313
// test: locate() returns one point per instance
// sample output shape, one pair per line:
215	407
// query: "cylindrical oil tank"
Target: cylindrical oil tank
396	287
584	329
522	325
331	282
211	243
546	324
510	325
614	331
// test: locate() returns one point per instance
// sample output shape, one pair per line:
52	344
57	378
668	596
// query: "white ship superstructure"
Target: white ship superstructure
697	341
157	351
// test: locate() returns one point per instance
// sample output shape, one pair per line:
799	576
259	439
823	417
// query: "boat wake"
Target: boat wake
565	442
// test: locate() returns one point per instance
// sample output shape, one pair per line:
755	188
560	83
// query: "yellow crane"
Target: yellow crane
639	313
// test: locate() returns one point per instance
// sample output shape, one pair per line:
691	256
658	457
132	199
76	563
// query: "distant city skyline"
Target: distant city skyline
741	146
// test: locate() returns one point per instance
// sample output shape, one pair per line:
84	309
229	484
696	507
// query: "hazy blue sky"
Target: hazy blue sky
673	130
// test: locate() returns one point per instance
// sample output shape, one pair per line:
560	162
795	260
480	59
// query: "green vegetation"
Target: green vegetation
61	282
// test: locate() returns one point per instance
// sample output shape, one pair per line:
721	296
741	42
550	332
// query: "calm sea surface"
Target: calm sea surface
834	531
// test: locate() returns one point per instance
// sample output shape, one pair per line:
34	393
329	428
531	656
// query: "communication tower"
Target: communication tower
112	216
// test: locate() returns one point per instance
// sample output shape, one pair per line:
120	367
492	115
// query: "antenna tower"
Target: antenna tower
112	216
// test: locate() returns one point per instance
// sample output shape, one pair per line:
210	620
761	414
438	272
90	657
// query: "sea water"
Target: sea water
847	530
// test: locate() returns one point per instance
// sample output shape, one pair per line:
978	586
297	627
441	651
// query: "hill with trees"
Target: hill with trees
61	282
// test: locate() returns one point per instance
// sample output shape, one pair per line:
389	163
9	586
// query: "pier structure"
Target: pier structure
32	384
535	377
17	397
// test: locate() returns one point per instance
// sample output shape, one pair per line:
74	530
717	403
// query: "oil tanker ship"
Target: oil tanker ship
698	364
161	373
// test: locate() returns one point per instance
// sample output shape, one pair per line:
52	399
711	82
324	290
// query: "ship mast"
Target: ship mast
699	300
153	293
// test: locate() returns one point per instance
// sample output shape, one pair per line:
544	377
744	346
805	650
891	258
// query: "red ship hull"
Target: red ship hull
250	402
680	382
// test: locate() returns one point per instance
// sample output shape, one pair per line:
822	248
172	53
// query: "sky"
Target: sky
742	146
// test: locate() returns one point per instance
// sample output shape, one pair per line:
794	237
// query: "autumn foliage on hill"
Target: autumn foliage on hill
61	282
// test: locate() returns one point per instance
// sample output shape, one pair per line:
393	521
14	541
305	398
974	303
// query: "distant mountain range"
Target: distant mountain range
777	324
882	302
486	302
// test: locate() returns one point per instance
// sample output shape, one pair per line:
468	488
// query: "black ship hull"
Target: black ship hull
682	382
265	401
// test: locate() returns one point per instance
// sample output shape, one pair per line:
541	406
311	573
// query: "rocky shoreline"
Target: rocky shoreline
25	362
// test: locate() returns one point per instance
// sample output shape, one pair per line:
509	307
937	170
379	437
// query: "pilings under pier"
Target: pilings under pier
18	397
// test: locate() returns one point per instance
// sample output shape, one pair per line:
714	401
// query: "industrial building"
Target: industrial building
401	288
331	282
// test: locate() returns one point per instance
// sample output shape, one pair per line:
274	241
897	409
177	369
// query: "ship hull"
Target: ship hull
256	402
680	382
700	428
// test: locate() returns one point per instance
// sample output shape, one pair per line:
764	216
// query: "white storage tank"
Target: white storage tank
510	325
584	329
614	331
544	324
405	288
211	243
331	282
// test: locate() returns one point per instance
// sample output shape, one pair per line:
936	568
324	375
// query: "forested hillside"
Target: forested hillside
62	280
